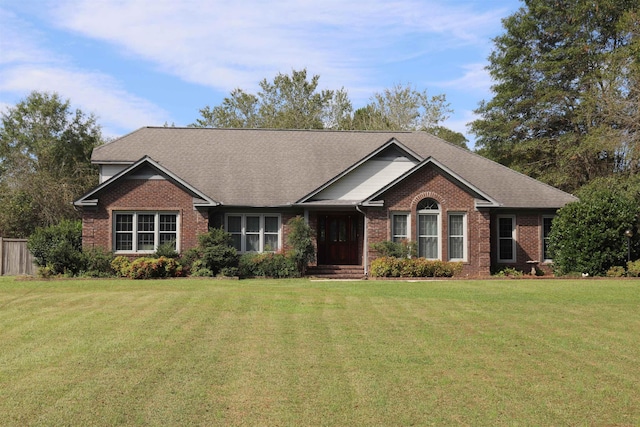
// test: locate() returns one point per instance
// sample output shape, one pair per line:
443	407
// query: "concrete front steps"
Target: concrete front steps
353	272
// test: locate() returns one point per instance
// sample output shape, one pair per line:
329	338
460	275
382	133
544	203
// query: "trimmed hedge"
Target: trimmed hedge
268	265
147	267
413	267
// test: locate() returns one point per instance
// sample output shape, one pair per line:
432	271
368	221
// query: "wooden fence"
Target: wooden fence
15	258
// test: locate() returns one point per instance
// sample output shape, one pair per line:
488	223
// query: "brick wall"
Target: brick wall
430	183
529	241
142	195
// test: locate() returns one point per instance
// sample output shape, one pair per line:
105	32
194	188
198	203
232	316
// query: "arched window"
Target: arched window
428	212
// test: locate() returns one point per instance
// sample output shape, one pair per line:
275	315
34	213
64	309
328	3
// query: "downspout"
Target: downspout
365	245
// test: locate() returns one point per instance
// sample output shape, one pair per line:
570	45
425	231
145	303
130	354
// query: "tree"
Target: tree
449	135
554	69
294	102
58	247
402	108
588	236
239	110
288	102
45	162
300	239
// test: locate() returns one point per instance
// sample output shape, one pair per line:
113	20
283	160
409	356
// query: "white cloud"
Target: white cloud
234	44
93	92
362	45
19	41
475	77
25	66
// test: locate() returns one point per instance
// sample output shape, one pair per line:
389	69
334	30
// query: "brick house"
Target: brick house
354	188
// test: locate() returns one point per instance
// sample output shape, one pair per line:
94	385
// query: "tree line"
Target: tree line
294	102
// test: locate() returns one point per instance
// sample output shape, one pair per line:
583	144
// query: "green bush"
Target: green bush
268	265
508	272
300	239
402	249
413	267
147	267
214	255
121	266
58	247
588	236
217	251
97	263
633	268
616	271
166	250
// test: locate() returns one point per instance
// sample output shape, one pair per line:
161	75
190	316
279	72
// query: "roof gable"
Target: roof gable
482	199
145	168
367	175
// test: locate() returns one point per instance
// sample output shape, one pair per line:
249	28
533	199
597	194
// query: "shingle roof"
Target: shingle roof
265	167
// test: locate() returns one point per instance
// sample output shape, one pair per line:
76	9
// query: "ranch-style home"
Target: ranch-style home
160	184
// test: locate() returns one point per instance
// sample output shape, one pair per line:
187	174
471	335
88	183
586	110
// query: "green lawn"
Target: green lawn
295	352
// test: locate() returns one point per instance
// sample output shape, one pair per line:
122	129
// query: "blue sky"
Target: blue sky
140	63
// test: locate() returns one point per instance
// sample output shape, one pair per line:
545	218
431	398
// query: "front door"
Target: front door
338	239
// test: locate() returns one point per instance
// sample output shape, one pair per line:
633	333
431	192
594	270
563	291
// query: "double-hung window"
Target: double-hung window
546	229
144	231
399	226
254	232
428	229
457	237
507	238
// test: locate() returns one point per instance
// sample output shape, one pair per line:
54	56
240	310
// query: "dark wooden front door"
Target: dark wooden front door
338	239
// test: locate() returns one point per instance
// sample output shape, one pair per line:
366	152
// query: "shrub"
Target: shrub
188	258
58	247
167	250
97	263
633	268
508	272
217	251
300	239
413	267
402	249
616	271
268	265
588	236
121	266
153	268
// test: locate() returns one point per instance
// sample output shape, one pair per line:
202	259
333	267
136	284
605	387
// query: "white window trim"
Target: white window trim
547	260
465	244
513	238
439	230
156	231
408	216
243	228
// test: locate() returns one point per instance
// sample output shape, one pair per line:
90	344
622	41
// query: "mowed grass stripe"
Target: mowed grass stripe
294	352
